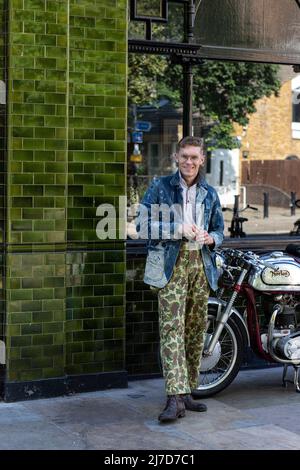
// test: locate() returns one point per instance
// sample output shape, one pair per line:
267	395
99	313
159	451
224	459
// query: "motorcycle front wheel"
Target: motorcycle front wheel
219	370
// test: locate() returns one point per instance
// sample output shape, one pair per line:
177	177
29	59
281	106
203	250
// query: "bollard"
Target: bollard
293	205
236	205
266	205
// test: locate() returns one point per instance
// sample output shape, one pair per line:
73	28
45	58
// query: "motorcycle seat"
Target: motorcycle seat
293	249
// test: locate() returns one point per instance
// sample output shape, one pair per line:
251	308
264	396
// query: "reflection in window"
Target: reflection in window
161	121
244	113
153	10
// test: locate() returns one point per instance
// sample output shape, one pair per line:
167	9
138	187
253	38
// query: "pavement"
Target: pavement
254	413
280	221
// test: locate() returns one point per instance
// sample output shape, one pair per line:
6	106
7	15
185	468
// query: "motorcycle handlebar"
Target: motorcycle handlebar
250	256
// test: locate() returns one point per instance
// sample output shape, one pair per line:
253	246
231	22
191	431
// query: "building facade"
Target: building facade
63	143
270	145
271	132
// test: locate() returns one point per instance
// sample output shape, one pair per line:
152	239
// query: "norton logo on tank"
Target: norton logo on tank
280	272
279	275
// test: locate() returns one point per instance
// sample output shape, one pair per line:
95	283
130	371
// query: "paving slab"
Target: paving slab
266	437
254	413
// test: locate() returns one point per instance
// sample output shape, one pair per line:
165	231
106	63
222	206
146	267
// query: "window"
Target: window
296	108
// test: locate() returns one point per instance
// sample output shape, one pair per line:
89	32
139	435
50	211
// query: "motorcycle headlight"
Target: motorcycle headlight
220	261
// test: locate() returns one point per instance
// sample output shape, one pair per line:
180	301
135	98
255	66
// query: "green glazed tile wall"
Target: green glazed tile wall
97	111
3	112
95	326
3	133
38	120
66	155
36	312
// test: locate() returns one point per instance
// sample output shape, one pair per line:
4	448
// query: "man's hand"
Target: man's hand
203	236
208	239
192	232
188	231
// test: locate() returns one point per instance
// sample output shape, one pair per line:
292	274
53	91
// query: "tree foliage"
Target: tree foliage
146	72
224	92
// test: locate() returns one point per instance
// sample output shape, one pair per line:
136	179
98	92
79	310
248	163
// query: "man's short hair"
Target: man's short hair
191	140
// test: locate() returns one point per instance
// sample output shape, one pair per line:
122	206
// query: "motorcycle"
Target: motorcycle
273	334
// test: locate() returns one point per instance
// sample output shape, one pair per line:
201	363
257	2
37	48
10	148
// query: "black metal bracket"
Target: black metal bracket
164	48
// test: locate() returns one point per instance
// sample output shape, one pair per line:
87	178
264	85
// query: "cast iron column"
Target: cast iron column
187	99
188	71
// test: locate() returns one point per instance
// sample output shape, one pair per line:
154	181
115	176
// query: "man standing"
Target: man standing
181	265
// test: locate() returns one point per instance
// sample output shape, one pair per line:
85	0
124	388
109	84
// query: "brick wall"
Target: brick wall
269	133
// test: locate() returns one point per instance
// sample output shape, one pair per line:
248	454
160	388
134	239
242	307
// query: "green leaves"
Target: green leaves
145	72
224	92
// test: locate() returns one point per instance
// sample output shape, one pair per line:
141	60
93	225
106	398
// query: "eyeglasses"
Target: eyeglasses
186	158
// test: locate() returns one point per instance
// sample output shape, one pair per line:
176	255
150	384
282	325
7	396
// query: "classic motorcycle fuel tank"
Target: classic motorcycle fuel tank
284	277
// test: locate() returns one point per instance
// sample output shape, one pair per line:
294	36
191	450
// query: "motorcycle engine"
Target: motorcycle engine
286	334
289	346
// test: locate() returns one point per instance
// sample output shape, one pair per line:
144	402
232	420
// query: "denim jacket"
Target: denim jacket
163	252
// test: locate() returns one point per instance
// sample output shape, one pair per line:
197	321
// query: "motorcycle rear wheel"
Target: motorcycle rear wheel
218	371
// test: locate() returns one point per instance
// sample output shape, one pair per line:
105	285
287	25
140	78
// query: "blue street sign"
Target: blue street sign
143	126
137	137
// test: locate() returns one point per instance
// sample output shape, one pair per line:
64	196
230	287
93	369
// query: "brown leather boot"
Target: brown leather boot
174	409
193	405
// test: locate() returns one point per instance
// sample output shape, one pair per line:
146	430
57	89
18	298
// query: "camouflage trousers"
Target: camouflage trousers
182	321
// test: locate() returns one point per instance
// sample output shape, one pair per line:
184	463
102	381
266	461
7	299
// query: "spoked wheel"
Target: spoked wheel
218	370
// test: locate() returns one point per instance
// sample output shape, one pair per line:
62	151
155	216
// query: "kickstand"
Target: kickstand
296	377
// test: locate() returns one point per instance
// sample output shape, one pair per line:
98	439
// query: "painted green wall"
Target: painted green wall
66	155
